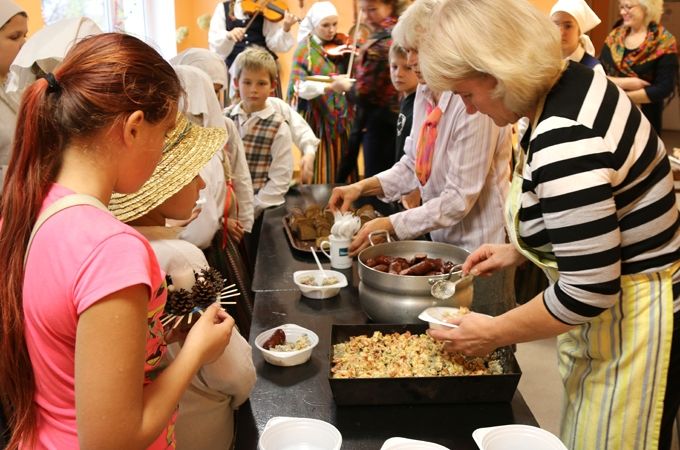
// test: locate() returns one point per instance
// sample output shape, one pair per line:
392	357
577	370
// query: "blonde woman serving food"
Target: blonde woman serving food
592	204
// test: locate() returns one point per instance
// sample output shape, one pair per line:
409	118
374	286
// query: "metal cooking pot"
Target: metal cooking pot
390	298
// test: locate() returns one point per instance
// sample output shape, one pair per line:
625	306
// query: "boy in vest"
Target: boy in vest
264	132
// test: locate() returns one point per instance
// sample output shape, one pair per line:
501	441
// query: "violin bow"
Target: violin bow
357	28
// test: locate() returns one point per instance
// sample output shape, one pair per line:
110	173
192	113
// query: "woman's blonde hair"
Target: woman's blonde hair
653	10
413	23
256	58
509	40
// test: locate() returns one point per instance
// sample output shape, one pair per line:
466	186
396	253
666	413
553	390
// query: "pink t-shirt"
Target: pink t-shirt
79	256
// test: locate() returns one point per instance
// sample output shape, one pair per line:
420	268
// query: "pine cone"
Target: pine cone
179	302
208	285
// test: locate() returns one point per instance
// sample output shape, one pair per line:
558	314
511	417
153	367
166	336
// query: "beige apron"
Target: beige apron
613	367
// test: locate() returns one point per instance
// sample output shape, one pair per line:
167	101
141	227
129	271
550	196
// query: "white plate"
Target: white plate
516	437
295	433
399	443
436	316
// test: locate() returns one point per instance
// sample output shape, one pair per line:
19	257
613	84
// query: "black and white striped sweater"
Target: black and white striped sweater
597	195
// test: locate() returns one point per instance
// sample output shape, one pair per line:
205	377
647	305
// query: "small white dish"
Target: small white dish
295	433
319	292
516	437
399	443
436	316
286	359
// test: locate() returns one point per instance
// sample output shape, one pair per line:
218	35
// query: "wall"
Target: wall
33	9
187	11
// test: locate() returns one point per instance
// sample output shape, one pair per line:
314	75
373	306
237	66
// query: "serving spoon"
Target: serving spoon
444	288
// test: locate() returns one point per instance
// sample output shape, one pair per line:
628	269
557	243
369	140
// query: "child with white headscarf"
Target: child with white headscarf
574	19
323	107
13	29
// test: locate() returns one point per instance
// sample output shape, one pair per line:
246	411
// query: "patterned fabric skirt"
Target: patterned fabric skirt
232	267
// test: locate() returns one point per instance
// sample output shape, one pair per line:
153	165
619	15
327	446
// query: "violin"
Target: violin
272	10
341	45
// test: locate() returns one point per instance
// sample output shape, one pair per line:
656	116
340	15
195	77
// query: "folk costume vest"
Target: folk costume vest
254	35
258	143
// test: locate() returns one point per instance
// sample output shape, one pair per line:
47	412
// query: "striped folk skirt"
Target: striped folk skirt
614	369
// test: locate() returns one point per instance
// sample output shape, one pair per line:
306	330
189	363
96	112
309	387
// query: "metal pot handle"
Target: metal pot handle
376	233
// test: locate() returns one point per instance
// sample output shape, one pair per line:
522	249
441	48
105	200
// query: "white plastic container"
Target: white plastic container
319	292
287	359
399	443
299	433
516	437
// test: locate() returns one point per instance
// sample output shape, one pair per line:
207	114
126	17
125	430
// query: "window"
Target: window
150	20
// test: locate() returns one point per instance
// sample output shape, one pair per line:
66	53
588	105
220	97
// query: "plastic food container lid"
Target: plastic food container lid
516	437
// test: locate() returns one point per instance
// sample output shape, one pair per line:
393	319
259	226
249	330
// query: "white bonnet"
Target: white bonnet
579	10
206	60
8	9
47	48
317	12
200	99
584	16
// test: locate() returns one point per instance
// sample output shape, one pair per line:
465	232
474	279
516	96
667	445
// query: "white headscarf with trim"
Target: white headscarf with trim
317	12
8	9
209	62
47	48
200	99
584	16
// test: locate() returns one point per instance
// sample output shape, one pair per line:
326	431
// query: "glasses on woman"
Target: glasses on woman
626	6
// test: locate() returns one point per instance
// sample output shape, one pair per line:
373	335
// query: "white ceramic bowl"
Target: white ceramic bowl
319	292
286	359
296	433
398	443
516	437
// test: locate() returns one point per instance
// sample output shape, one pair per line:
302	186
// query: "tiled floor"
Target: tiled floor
541	385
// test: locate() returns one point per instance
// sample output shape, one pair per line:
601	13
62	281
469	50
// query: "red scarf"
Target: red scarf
426	142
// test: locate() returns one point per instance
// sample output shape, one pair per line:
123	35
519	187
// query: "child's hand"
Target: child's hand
237	34
235	229
341	83
288	21
210	334
307	168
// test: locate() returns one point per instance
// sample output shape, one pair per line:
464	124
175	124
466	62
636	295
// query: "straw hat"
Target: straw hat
188	148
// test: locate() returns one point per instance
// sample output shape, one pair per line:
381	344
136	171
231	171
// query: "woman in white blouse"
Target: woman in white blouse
464	190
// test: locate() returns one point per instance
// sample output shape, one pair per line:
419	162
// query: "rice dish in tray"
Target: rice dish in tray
395	355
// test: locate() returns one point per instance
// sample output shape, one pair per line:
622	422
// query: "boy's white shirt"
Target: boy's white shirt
302	134
240	176
281	169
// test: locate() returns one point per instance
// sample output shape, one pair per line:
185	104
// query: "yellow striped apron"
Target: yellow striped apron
613	367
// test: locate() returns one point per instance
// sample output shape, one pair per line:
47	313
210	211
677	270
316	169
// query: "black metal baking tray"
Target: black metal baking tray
420	390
